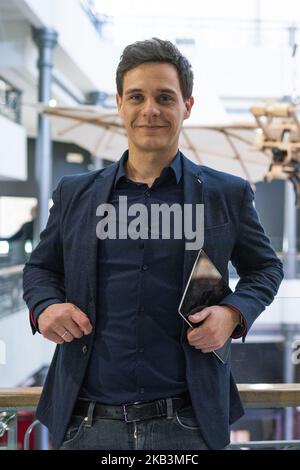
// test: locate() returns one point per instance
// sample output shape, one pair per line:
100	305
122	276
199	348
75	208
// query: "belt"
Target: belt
134	411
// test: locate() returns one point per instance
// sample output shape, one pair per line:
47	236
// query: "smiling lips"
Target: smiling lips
151	127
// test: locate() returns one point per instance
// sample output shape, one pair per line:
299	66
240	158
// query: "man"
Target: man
127	373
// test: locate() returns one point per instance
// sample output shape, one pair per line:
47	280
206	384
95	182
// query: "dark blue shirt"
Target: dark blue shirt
137	353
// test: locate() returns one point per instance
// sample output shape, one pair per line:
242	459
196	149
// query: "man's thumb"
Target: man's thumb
82	320
199	316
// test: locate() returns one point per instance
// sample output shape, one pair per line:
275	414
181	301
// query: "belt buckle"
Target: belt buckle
126	415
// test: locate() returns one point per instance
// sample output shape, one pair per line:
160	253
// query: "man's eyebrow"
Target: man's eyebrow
167	90
160	90
133	90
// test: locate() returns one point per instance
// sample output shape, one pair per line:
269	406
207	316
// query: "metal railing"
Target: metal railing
213	32
252	395
13	400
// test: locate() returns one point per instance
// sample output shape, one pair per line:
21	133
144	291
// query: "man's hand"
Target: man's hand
63	322
218	324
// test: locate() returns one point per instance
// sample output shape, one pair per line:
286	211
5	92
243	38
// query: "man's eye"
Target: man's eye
135	97
165	98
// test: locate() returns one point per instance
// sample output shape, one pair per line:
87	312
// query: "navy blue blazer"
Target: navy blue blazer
63	267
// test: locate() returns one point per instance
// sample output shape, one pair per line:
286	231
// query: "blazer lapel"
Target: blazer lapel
193	194
100	193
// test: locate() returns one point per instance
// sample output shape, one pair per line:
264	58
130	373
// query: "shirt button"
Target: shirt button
142	390
142	308
147	193
84	349
145	267
141	350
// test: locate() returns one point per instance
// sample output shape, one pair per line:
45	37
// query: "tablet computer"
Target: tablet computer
205	287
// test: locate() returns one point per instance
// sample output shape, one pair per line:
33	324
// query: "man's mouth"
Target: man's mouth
151	127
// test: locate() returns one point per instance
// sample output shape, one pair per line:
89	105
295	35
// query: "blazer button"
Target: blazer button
84	349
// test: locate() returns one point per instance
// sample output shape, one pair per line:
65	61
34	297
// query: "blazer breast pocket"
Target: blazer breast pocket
218	239
216	230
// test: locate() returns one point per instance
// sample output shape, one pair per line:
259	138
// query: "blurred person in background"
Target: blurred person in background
26	231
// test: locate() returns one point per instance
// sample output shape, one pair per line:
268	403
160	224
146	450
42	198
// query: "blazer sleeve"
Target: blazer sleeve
43	274
256	263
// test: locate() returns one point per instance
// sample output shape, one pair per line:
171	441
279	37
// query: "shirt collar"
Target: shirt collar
176	166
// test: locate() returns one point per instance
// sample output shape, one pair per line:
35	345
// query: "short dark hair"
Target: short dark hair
156	50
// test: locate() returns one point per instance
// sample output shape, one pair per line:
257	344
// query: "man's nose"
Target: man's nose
150	108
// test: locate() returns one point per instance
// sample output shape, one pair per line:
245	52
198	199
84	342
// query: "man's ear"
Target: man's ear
189	103
118	101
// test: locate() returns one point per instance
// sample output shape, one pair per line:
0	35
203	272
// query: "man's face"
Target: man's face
152	107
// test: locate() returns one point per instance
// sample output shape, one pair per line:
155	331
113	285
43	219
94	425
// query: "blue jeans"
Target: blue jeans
177	432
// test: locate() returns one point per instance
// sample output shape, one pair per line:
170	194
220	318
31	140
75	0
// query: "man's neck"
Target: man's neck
145	168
